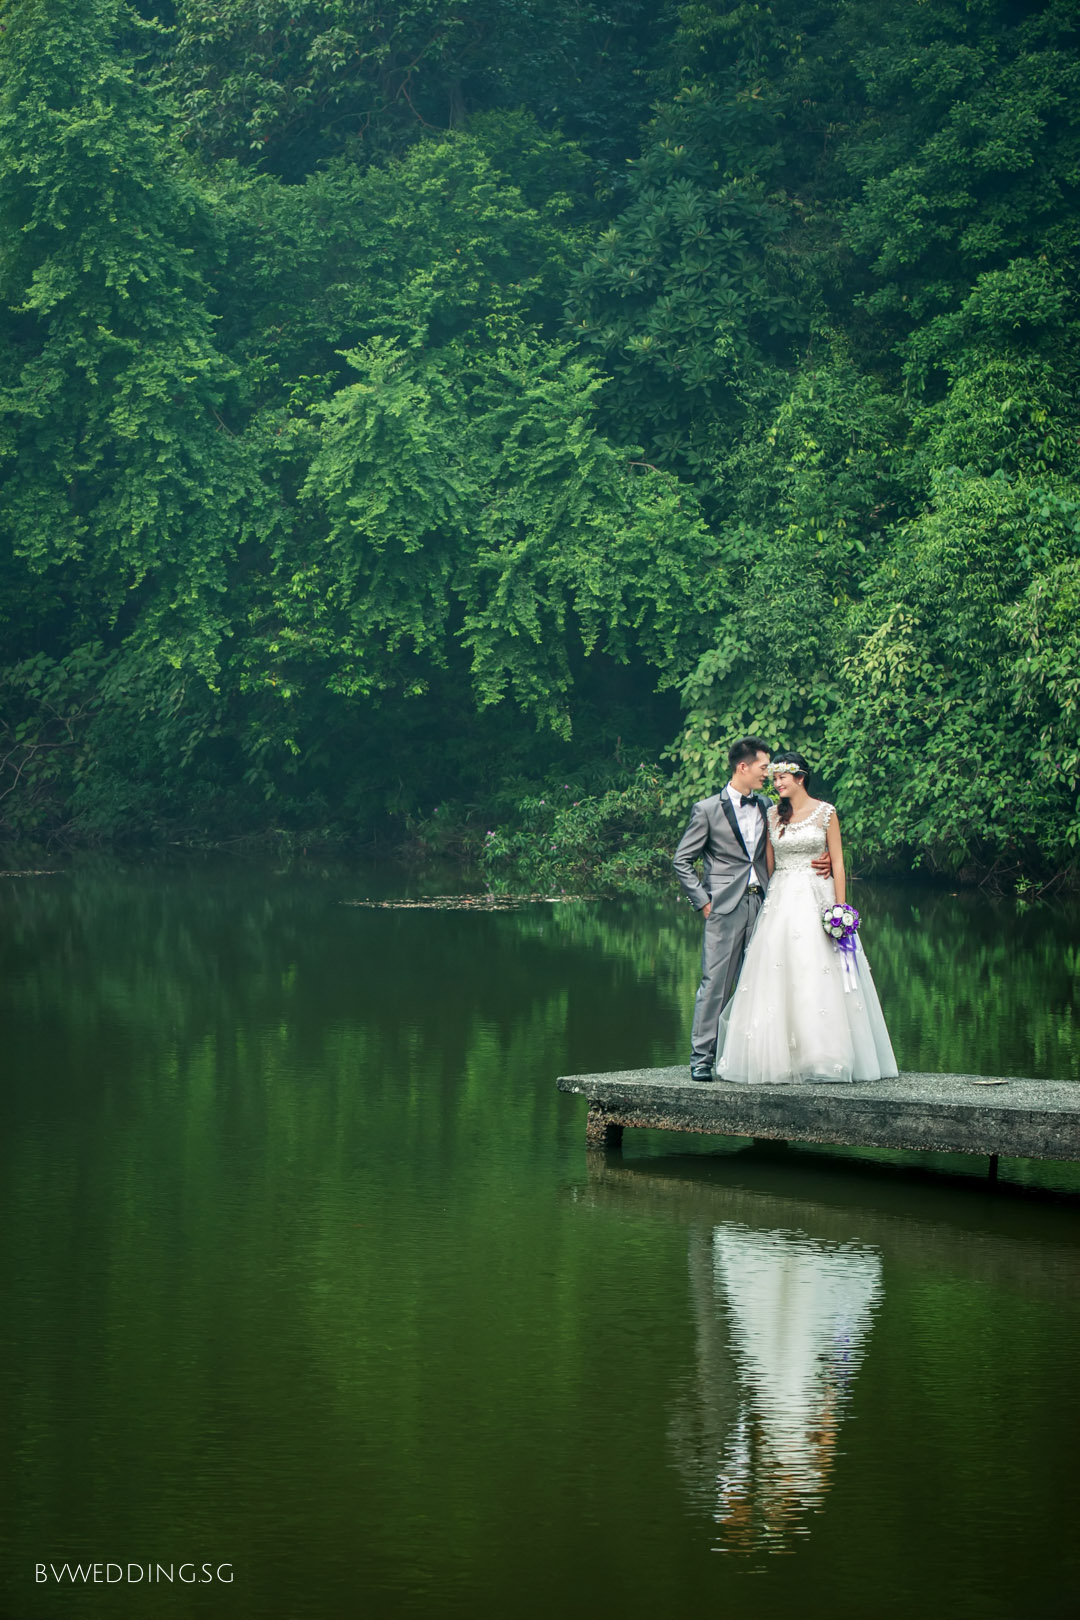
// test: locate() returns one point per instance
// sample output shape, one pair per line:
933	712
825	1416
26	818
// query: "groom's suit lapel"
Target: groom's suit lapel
733	822
729	811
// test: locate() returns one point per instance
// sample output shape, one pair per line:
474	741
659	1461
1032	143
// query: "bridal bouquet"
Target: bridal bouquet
841	923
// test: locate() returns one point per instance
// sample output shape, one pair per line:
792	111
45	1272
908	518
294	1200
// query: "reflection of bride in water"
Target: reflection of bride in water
758	1443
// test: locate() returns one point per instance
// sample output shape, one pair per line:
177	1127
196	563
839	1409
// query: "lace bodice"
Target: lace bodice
802	841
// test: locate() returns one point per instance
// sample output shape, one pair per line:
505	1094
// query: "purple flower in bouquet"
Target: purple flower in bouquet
841	923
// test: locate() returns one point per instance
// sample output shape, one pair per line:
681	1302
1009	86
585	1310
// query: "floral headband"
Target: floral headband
779	765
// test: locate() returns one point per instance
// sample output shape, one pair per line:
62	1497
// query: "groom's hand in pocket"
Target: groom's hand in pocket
706	908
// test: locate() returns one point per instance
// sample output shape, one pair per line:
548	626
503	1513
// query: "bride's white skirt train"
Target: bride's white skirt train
791	1018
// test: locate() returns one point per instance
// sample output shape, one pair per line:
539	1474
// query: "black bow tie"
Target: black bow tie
746	798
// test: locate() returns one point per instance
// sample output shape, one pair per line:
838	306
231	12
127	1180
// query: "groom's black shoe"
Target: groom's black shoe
701	1071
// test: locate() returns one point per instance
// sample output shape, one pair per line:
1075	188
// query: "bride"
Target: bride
796	1014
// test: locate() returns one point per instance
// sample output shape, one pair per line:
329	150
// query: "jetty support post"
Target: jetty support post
601	1131
991	1173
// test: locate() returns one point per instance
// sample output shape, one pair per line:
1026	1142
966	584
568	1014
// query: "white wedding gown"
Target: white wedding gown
791	1017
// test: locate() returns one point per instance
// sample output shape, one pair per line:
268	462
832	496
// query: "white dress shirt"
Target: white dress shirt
749	818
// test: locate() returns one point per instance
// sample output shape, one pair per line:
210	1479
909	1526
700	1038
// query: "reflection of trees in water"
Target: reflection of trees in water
966	983
169	960
782	1323
969	984
657	939
254	1108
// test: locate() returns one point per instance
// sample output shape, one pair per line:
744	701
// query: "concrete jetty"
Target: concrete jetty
940	1113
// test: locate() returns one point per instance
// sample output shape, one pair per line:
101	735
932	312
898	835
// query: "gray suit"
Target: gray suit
713	833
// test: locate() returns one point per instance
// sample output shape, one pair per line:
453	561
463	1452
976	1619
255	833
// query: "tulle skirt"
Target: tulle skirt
791	1018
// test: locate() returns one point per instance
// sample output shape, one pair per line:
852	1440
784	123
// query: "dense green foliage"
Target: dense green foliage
402	409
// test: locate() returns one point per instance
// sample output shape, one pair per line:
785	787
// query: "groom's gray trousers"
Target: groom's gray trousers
722	950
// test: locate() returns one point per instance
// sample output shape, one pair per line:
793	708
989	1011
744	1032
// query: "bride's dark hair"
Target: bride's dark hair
788	756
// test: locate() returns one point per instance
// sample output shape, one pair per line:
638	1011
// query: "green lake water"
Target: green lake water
307	1277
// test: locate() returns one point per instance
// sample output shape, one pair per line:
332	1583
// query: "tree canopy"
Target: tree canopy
405	408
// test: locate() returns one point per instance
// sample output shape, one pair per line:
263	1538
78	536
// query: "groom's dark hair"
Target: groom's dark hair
746	748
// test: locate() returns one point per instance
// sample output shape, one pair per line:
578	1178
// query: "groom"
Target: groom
729	831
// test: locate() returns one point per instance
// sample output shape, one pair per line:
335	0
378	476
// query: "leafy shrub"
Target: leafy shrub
615	841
